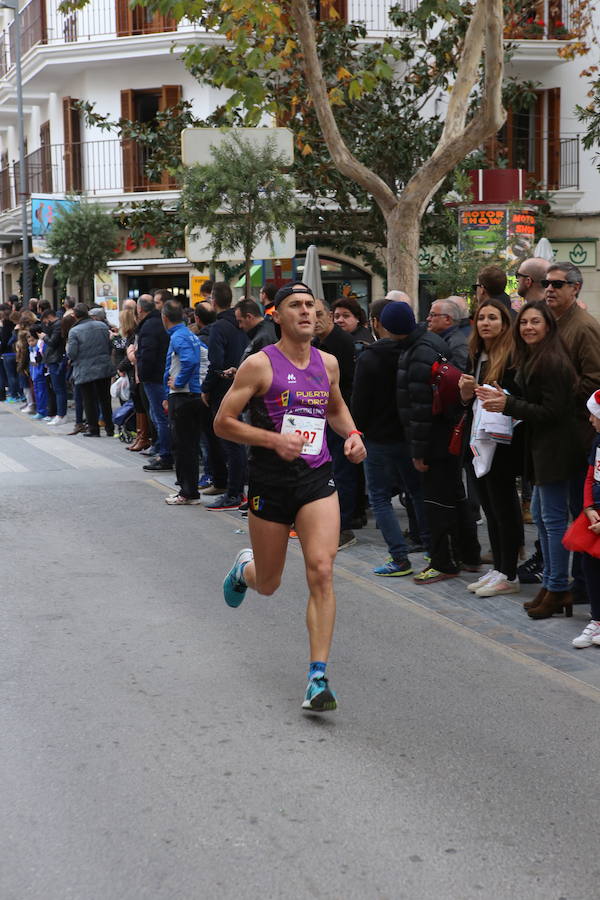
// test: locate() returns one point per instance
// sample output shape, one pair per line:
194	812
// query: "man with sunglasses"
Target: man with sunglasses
580	332
530	274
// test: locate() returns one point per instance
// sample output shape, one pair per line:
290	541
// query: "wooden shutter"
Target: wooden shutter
124	18
130	167
5	197
553	162
46	158
72	155
170	96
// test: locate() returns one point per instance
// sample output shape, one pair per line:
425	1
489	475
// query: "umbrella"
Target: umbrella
312	272
543	250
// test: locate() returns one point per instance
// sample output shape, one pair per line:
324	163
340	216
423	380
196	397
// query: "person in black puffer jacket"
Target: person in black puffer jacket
452	528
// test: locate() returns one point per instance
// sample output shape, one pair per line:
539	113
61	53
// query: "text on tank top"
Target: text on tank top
296	402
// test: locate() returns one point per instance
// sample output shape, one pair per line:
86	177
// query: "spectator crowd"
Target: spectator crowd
486	410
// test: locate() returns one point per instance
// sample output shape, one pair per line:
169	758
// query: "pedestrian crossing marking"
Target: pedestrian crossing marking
72	453
7	464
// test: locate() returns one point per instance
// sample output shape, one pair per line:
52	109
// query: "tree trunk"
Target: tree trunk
248	281
403	233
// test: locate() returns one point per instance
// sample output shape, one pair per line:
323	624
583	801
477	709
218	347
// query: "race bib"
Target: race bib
311	429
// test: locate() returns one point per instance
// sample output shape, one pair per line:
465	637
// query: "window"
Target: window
142	106
530	140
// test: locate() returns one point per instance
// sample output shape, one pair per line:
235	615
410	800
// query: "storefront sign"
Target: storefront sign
581	252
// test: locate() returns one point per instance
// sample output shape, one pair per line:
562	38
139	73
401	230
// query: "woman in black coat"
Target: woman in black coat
546	380
491	350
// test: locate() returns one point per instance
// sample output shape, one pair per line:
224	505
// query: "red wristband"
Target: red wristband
359	433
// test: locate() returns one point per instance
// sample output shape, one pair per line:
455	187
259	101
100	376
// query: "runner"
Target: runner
292	390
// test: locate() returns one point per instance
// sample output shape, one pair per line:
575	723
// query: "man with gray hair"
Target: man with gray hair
465	324
444	319
398	296
580	333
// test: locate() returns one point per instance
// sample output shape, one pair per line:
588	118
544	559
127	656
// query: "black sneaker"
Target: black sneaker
158	465
532	570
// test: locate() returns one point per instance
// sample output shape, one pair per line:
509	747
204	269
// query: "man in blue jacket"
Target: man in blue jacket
182	383
226	345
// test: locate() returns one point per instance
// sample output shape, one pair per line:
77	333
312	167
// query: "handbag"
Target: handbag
580	539
444	380
456	438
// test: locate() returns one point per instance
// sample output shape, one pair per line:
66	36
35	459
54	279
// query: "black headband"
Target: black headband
297	287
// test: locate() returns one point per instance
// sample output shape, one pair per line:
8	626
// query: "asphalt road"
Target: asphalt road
152	742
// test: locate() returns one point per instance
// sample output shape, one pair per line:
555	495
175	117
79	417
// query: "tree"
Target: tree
83	238
264	37
241	198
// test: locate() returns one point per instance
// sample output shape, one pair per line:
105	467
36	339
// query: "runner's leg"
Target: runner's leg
318	528
269	545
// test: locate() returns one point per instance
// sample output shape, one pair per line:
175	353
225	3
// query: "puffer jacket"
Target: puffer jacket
88	348
428	436
152	346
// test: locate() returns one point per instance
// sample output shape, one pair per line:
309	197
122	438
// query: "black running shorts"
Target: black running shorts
278	500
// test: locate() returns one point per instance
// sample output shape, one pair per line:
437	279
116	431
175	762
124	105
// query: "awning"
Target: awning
256	277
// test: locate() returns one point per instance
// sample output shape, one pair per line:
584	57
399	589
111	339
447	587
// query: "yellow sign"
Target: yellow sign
196	282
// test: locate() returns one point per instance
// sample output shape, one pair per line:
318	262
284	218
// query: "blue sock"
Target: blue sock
317	669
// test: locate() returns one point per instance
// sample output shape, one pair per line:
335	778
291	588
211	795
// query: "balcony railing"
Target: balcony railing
106	168
96	168
42	23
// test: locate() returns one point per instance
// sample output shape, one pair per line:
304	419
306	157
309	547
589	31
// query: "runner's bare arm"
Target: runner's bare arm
252	378
338	414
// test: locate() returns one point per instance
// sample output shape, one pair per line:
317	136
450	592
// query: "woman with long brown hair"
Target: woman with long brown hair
546	380
491	351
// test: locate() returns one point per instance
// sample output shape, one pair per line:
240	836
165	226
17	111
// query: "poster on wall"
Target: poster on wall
106	294
44	210
499	229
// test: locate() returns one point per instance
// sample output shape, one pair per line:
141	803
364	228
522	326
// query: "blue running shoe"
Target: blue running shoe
319	697
204	482
37	416
234	586
391	568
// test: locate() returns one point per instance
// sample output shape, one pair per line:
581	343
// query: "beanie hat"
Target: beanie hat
294	287
398	318
593	404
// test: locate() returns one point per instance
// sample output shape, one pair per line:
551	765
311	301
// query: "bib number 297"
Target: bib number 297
311	429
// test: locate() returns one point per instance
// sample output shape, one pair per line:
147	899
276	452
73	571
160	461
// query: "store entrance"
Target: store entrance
178	284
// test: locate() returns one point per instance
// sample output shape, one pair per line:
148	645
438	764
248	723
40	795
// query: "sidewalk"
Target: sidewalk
499	619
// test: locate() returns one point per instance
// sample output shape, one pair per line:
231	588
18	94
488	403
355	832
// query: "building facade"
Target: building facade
121	61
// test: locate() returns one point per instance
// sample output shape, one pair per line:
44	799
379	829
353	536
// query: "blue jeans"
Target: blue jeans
58	377
389	469
156	394
10	368
550	512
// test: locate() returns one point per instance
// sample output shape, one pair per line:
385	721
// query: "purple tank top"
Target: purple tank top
295	402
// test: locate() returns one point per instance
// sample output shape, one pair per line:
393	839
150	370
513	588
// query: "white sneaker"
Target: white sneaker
48	419
590	635
58	420
499	585
487	576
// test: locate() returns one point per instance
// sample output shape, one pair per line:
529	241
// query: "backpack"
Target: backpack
444	382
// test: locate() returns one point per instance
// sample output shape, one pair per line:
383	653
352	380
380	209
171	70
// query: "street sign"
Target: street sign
196	143
198	247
